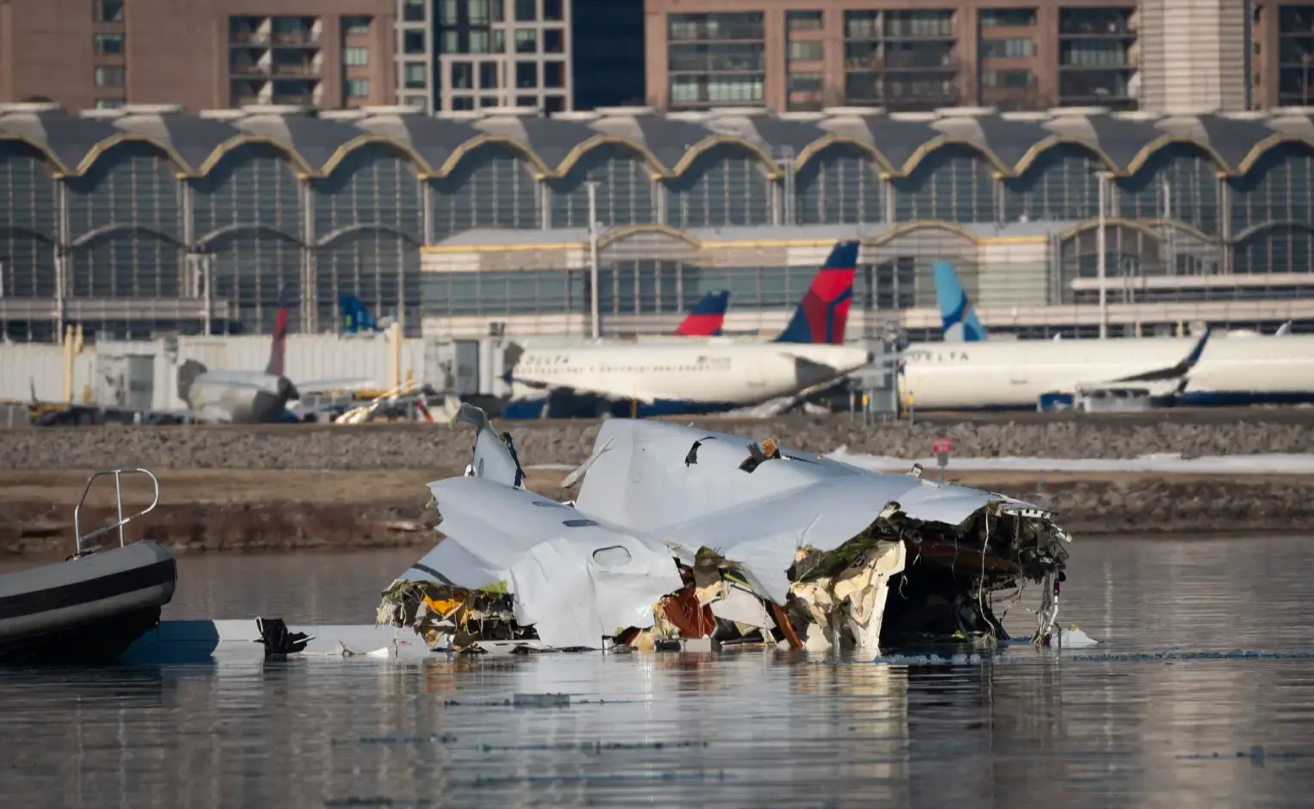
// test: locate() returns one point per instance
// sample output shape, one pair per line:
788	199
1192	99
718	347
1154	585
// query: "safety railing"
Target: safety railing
82	540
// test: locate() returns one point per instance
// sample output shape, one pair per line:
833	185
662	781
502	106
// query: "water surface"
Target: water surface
1109	726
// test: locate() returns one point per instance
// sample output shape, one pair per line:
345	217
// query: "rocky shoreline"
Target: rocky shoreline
265	511
437	447
289	488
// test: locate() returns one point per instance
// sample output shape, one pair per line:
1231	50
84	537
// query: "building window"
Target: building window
1007	48
716	90
526	10
554	41
804	20
109	76
805	91
1010	79
463	75
358	88
488	101
415	77
356	26
414	11
526	40
554	74
109	44
107	11
807	50
356	57
902	60
552	11
463	103
1010	17
488	76
527	101
716	59
109	103
729	26
413	42
416	102
526	74
555	104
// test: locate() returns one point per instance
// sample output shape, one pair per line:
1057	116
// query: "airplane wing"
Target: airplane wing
574	579
330	385
1159	382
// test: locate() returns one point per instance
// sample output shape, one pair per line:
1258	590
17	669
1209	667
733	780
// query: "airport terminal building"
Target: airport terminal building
146	220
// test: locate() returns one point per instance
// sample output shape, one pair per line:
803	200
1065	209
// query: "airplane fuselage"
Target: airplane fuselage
1014	374
240	397
686	377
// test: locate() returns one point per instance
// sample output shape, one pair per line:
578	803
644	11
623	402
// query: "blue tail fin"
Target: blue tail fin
960	323
823	314
355	316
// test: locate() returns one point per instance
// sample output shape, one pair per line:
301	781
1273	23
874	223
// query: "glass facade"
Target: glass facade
136	226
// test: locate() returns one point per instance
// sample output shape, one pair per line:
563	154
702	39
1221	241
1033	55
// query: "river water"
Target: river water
1120	724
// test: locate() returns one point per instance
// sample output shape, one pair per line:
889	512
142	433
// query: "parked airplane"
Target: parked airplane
699	376
247	397
1027	374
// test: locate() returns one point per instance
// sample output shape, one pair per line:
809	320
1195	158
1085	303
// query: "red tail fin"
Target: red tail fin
275	366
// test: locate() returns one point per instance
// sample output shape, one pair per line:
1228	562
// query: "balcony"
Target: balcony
294	39
240	38
296	71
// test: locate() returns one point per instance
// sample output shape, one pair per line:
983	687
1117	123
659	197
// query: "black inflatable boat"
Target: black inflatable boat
89	609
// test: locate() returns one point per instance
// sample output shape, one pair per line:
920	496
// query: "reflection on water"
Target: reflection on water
740	729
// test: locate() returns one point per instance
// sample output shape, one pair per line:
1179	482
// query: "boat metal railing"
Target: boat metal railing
82	540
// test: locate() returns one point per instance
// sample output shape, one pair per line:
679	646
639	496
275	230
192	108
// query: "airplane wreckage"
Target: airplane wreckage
680	534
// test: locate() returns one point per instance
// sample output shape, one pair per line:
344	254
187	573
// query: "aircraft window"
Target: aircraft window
578	523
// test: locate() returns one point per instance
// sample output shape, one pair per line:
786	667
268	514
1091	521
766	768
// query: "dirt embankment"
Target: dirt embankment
244	510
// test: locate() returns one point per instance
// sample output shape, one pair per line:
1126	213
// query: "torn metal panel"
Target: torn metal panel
571	578
494	455
643	482
577	590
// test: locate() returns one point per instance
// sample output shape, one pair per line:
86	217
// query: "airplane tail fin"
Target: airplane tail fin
187	373
279	344
356	316
960	323
824	312
707	317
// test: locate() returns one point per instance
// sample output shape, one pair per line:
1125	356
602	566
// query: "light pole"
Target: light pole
592	187
1101	256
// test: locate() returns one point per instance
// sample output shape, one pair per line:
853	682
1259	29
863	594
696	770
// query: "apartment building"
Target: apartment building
792	55
466	55
200	54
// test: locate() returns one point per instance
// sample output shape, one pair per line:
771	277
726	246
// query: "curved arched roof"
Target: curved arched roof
898	143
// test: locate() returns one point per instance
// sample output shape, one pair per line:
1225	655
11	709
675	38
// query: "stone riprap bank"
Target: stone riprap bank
556	442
